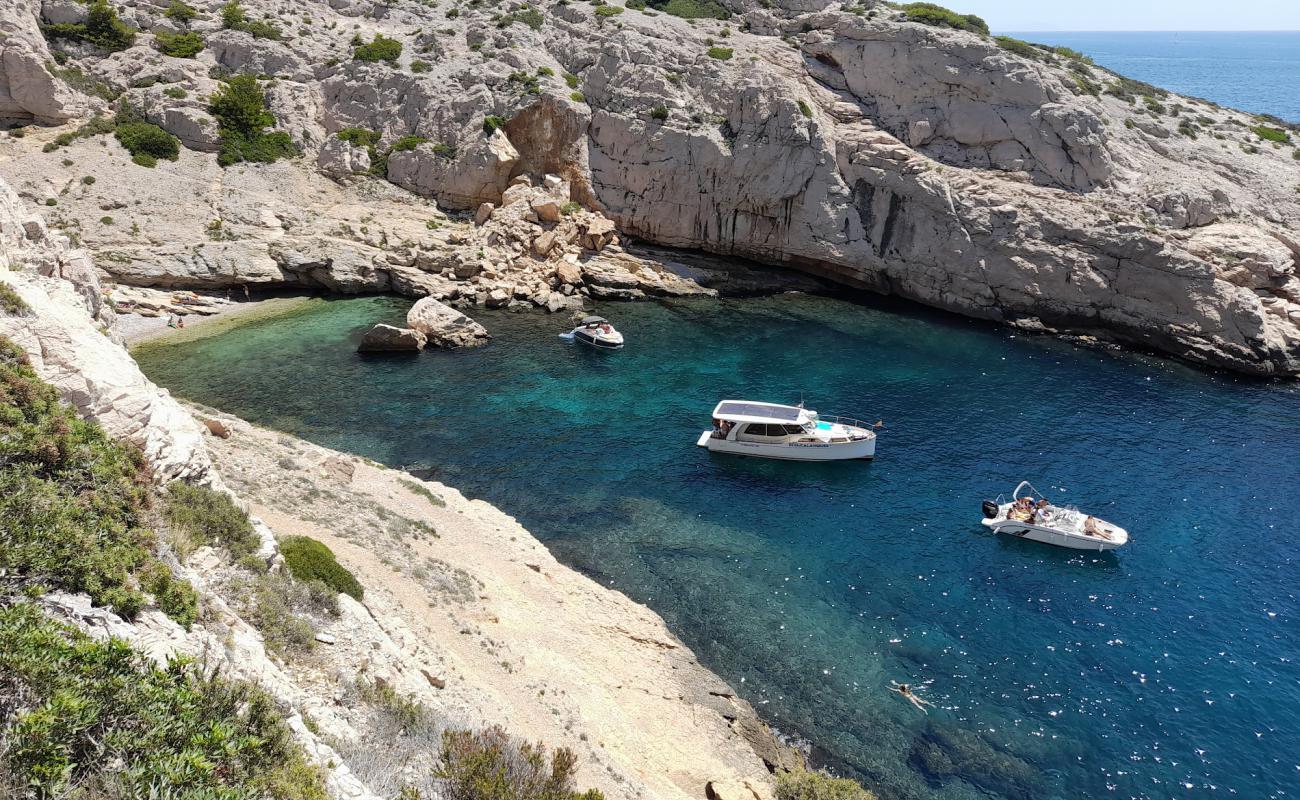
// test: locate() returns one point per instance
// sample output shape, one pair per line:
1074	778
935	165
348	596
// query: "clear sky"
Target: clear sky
1134	15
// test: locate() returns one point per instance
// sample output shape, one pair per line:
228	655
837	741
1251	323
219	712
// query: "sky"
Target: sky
1134	15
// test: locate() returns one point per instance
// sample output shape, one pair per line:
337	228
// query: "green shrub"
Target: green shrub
1271	134
233	18
577	97
720	53
105	220
638	5
200	516
11	303
407	143
176	93
87	718
359	137
102	28
419	67
659	112
491	122
938	16
1022	48
571	80
545	72
807	785
570	208
147	142
424	491
180	11
490	765
176	598
444	151
381	49
608	11
72	502
272	602
242	118
179	45
406	712
691	9
310	560
804	108
525	16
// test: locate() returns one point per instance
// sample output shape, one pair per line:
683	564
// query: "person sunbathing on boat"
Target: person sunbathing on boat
906	691
1090	528
1021	510
1042	513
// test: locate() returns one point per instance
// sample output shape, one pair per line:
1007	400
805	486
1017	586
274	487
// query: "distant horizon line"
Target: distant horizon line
1126	30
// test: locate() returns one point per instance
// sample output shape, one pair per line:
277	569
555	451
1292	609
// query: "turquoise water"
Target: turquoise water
1165	670
1256	71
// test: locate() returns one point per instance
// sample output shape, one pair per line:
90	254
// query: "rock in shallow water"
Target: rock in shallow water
444	326
389	339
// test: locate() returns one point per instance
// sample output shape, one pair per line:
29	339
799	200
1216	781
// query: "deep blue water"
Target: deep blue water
1166	670
1253	71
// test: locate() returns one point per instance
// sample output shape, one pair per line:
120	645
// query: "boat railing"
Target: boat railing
848	422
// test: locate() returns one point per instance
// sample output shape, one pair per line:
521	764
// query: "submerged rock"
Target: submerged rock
444	326
389	339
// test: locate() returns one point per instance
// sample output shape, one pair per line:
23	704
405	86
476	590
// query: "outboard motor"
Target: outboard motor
990	509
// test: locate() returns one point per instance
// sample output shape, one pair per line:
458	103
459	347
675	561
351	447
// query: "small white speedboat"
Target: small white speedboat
1030	516
792	433
597	332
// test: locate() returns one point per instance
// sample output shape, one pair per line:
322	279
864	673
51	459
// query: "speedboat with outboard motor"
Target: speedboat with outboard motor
792	433
597	332
1029	515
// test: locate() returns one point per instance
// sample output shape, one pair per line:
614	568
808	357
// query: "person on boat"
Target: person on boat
906	691
1021	509
1090	528
1042	513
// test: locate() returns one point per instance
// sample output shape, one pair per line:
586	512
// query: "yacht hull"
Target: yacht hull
602	342
793	451
1039	533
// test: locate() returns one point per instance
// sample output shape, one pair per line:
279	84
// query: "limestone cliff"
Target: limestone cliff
465	616
991	178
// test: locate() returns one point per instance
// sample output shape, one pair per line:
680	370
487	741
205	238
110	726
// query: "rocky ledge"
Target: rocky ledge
990	177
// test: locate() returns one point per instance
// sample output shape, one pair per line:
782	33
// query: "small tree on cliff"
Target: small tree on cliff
242	117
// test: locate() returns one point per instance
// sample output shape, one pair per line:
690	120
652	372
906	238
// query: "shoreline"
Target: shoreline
136	330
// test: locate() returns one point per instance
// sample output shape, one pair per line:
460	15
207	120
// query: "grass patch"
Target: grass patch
309	560
525	16
200	517
804	108
242	117
691	9
179	45
272	603
73	502
720	53
492	122
608	11
79	81
940	17
87	718
490	765
380	49
12	304
809	785
1271	134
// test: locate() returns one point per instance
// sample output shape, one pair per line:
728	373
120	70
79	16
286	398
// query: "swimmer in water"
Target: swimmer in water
906	691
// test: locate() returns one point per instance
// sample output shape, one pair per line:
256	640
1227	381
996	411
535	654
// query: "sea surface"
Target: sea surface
1252	71
1168	669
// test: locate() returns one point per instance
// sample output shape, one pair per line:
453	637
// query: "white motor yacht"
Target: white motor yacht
597	332
793	433
1030	516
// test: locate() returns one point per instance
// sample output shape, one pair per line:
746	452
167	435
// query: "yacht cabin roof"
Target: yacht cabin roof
750	411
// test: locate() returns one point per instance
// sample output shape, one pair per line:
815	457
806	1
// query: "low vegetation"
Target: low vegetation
234	18
1269	134
491	122
309	560
527	15
74	503
199	517
938	16
86	718
720	53
808	785
146	142
381	48
179	45
691	9
102	28
242	119
490	765
11	303
180	11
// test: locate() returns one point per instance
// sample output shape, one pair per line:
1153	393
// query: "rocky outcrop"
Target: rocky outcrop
383	338
444	326
1019	185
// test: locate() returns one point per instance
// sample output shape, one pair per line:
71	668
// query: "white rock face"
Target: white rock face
389	339
877	153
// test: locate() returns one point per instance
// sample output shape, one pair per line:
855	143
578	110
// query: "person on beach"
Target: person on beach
912	697
180	321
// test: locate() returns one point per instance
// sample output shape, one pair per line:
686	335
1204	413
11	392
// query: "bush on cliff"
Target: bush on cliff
807	785
242	119
11	303
102	28
73	502
1271	134
938	16
147	142
85	718
309	560
691	9
180	11
233	18
381	49
200	516
179	45
490	765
